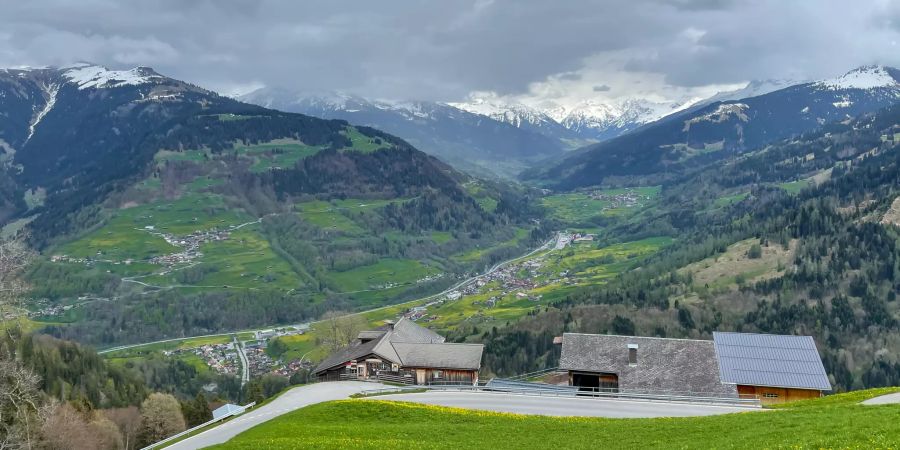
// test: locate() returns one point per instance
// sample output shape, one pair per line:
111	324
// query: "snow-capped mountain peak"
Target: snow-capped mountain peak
865	77
754	88
93	76
497	108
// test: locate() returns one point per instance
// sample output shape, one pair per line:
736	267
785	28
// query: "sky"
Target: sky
447	50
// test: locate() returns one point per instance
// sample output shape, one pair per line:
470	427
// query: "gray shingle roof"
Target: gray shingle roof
770	360
405	331
662	364
440	356
371	334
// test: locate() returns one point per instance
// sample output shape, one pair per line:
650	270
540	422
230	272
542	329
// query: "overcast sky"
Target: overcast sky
444	49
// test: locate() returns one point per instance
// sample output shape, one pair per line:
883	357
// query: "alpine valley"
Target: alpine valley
173	227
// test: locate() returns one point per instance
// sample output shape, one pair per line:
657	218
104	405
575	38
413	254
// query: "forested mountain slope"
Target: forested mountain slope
799	237
165	210
686	141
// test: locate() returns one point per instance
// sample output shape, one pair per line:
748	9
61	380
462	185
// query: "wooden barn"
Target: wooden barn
403	352
773	368
612	363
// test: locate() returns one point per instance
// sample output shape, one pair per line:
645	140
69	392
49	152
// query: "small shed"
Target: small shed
227	409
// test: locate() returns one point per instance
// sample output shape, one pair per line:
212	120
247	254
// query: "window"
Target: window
770	395
436	374
632	356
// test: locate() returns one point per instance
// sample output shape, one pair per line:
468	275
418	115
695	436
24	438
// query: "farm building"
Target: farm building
773	368
403	352
631	363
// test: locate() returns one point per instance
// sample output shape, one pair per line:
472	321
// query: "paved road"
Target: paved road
294	399
245	364
883	400
558	406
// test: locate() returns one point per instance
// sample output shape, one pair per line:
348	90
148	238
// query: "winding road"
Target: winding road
289	401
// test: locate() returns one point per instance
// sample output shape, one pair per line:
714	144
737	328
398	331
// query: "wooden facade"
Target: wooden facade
444	376
772	395
374	368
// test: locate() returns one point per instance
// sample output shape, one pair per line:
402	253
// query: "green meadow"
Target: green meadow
837	421
578	207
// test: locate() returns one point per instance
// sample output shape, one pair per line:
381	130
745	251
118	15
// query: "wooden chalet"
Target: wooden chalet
403	352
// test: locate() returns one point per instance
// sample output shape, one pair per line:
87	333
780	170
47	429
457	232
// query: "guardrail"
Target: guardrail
536	373
575	392
193	429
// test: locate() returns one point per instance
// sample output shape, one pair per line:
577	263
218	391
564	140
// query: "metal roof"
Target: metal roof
770	360
227	409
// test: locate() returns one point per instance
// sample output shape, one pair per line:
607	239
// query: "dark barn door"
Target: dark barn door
594	382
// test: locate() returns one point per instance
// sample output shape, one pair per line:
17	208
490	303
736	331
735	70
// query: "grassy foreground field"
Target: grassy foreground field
833	422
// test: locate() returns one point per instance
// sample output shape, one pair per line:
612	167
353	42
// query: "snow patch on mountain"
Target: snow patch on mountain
866	77
91	76
50	90
754	88
722	113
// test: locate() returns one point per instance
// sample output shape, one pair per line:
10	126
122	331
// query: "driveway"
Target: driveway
883	400
563	406
294	399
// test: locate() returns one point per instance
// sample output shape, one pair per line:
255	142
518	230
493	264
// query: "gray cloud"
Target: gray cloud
601	88
444	50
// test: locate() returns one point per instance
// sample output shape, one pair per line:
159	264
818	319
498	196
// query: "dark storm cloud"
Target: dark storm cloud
445	49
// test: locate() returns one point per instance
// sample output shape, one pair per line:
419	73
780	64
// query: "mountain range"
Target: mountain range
723	127
488	134
469	141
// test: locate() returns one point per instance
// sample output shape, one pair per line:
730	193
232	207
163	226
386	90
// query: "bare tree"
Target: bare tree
70	429
341	328
14	257
129	422
21	408
161	418
21	402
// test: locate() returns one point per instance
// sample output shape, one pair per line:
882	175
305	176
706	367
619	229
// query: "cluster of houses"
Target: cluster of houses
222	358
772	368
627	199
190	243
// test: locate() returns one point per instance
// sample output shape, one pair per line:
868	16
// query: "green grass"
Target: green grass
124	236
364	424
386	270
281	153
730	199
476	254
794	187
330	215
362	143
579	207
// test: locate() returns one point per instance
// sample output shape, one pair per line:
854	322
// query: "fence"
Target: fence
546	390
198	427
